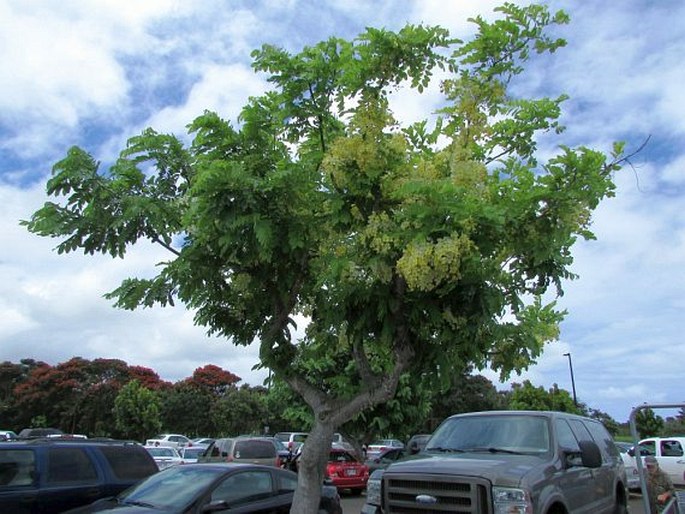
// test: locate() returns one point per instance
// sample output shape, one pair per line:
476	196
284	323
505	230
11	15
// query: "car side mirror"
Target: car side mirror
590	454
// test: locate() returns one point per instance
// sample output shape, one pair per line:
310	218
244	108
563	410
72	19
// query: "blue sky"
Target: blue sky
94	72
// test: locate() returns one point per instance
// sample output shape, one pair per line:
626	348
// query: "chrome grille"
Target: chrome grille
435	494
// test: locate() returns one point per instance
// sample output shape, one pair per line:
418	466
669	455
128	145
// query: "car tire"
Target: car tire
621	507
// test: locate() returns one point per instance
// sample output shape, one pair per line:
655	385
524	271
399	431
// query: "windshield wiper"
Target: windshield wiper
444	450
492	449
139	504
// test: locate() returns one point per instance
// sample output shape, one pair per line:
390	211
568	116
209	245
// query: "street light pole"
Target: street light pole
573	382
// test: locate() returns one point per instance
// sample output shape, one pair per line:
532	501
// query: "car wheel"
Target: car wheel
621	507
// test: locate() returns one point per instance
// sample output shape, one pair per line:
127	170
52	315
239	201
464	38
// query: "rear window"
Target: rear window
253	449
17	467
70	465
129	462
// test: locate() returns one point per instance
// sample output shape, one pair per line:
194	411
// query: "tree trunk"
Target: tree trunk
312	467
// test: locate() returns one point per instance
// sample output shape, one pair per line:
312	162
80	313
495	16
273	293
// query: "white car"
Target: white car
173	440
670	453
190	454
164	456
632	474
378	446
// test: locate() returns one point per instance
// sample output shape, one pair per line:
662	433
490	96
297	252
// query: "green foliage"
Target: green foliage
410	250
528	397
137	412
648	424
242	410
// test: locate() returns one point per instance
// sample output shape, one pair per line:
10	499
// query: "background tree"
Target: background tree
242	410
137	412
410	249
609	423
648	424
528	397
467	393
11	375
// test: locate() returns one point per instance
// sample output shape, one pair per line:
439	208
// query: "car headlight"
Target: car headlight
508	500
373	488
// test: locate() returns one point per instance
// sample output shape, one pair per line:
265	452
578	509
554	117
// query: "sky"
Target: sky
93	73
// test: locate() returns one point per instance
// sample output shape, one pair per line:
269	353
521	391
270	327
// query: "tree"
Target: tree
187	409
137	412
647	423
528	397
242	410
416	248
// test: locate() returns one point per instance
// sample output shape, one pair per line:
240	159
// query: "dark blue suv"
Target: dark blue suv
45	476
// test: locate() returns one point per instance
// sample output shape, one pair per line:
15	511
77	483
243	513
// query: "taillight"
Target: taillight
278	461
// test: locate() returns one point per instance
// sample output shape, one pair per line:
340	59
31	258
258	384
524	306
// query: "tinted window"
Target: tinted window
244	486
252	449
671	448
340	457
565	435
603	439
287	482
17	467
129	462
68	465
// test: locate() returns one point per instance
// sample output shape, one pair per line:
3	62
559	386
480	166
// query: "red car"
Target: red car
346	472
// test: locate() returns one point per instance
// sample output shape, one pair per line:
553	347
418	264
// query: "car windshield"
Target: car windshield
161	451
492	433
177	486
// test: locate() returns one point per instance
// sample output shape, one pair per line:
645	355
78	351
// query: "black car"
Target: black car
210	487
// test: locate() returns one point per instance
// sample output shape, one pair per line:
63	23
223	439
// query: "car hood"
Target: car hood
499	469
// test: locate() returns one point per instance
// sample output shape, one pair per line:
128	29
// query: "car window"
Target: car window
176	486
287	483
648	448
244	486
252	449
670	448
340	457
565	436
603	440
68	465
17	467
128	462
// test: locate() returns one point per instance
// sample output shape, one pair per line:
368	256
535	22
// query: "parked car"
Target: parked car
49	476
190	454
670	455
417	443
7	435
632	474
254	450
201	488
164	456
292	440
385	458
376	447
339	441
346	472
203	441
32	433
507	461
173	440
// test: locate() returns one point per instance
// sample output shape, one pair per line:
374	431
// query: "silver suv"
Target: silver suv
506	461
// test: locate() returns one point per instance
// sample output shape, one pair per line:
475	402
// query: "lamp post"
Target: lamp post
573	382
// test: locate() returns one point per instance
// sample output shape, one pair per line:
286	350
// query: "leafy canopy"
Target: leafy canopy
415	248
